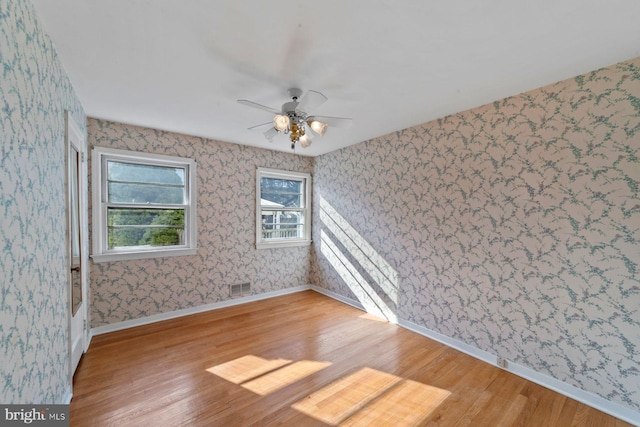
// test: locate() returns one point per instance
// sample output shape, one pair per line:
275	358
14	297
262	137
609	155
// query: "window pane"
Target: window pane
285	192
143	193
282	224
283	208
149	174
144	227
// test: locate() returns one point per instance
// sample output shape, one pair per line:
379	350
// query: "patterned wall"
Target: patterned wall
126	290
513	227
34	92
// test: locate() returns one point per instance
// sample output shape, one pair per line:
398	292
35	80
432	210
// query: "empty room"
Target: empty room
320	214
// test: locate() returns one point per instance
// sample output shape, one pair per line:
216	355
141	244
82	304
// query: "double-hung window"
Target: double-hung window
283	208
144	205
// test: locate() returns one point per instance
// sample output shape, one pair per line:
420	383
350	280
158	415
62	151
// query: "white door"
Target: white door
77	240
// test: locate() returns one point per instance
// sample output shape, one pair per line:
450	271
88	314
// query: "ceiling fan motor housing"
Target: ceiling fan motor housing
294	93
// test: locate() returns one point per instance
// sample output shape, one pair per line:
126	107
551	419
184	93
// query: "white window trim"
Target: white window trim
99	229
282	174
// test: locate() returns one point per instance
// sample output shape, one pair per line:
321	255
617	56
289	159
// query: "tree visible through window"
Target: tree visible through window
161	186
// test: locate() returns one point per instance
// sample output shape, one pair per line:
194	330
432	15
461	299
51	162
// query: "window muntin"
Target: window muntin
283	208
145	205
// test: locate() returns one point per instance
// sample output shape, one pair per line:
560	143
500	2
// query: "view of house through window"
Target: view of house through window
145	202
283	208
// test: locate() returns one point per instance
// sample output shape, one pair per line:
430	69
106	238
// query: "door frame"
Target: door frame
75	139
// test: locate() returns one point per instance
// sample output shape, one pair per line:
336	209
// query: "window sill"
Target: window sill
282	244
125	256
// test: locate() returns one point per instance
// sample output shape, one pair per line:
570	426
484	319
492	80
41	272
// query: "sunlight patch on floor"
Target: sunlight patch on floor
284	376
407	404
264	376
371	397
369	316
246	368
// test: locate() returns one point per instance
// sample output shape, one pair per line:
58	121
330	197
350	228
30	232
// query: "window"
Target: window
283	208
144	205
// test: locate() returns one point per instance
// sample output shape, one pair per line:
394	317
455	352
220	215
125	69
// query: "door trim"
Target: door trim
75	138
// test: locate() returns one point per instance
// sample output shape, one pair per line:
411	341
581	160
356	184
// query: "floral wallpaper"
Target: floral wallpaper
513	227
226	181
34	94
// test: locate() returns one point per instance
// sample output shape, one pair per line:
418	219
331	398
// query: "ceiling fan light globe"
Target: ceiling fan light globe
281	122
318	127
305	141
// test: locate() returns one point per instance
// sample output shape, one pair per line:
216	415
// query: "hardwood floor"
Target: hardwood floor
302	360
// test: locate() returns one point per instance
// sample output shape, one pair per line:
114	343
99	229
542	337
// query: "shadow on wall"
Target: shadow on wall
367	274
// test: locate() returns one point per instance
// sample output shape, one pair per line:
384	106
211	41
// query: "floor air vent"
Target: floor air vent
240	290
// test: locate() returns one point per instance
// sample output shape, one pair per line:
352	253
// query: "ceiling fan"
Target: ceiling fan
293	118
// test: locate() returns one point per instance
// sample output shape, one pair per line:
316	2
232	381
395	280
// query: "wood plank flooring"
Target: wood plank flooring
302	360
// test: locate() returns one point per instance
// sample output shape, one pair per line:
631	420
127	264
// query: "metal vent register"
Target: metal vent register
240	290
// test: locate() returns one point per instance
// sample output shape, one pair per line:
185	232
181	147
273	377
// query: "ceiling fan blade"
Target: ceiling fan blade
338	122
258	106
268	130
310	101
270	134
262	127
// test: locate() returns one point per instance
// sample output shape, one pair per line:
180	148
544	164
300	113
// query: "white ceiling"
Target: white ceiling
181	65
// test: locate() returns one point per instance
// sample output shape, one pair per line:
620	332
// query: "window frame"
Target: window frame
262	243
101	252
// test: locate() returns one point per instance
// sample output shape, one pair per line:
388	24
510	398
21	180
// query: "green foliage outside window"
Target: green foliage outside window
145	184
166	236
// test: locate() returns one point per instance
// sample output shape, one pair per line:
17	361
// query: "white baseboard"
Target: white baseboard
193	310
87	341
338	297
561	387
66	399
